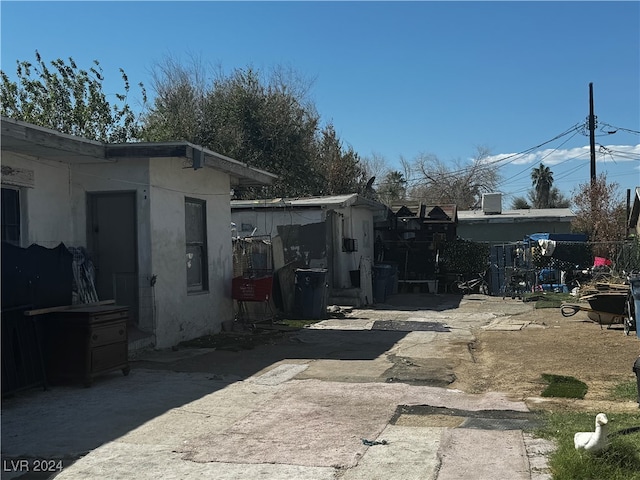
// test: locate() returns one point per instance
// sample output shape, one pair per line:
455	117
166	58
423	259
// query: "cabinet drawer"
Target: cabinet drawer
108	316
108	357
107	334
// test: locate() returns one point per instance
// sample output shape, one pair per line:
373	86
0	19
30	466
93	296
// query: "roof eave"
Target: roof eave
28	139
32	140
198	156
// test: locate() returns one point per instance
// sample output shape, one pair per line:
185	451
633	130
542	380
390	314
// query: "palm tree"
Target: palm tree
542	178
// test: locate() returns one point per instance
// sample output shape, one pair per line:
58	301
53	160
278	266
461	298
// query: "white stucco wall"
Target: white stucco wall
161	186
123	175
182	315
54	211
358	224
46	207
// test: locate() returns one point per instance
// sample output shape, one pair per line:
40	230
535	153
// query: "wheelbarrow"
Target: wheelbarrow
606	308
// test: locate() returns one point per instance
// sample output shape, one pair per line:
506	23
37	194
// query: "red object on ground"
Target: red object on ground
601	262
252	289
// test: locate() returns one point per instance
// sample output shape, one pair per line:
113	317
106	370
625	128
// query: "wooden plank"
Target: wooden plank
62	308
612	286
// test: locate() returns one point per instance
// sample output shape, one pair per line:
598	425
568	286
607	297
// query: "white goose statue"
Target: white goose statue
593	441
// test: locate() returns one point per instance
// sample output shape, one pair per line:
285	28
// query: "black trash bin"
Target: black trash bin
381	278
392	278
311	293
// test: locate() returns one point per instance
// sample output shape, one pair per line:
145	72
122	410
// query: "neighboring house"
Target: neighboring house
634	216
493	225
332	232
154	217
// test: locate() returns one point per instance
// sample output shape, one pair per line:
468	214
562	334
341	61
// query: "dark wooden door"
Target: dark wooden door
112	239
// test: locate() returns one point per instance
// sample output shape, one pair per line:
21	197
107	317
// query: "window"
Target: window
11	216
196	243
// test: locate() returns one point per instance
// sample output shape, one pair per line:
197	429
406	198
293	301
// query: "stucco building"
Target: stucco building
154	218
331	232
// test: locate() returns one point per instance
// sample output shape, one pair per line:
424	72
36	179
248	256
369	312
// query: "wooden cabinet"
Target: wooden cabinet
84	342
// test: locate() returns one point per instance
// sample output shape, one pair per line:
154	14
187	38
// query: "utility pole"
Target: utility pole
592	134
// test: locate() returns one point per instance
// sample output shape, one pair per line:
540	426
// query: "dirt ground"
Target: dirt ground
513	361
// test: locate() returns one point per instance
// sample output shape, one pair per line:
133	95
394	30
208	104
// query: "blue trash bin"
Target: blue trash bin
311	293
635	292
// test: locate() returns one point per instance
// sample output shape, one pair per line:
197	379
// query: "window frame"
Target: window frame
17	213
198	244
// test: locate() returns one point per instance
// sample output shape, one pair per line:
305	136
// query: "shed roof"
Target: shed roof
28	139
427	213
513	216
332	201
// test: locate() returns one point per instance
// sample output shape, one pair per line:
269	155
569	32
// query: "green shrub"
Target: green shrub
464	257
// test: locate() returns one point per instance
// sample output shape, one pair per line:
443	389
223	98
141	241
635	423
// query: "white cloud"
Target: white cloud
550	157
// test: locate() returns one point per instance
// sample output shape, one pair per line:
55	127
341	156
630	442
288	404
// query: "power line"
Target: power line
546	156
501	162
557	177
571	171
505	160
615	129
516	156
621	154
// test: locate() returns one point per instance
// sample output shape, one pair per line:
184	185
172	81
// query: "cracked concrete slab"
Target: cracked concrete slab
299	408
117	460
409	453
483	455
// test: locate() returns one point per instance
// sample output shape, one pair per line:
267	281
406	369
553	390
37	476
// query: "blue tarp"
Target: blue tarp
558	237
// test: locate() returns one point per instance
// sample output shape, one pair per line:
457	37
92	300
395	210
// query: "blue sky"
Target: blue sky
395	78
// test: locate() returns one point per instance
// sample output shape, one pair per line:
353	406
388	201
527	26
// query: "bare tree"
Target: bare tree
600	213
178	110
375	166
461	183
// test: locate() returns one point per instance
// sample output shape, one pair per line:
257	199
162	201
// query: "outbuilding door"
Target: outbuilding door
112	243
